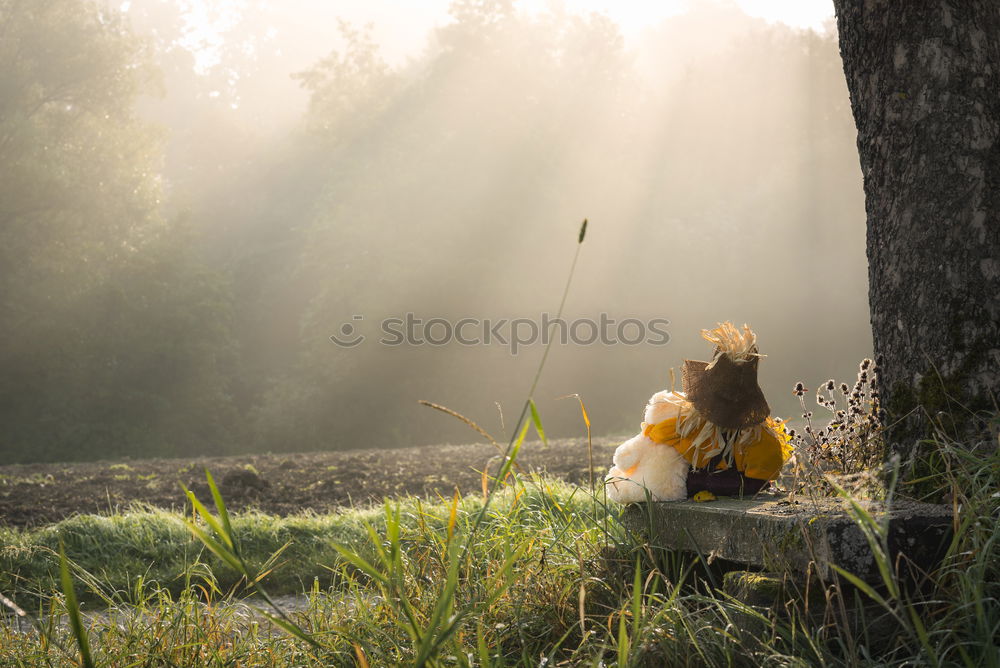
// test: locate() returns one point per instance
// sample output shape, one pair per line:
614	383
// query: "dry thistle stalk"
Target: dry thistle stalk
850	447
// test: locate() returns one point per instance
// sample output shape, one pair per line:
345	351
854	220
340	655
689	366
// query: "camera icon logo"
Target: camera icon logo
349	337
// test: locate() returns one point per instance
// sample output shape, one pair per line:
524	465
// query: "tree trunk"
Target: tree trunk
924	79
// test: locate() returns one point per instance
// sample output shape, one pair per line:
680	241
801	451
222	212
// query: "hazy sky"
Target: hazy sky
406	23
401	28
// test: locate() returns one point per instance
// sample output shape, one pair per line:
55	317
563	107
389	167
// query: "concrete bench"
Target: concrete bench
775	534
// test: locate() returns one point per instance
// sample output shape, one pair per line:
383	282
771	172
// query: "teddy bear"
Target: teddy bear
716	435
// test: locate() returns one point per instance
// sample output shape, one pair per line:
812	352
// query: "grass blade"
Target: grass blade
865	588
73	610
288	627
623	648
453	515
361	564
590	440
210	520
220	507
359	654
215	546
512	457
536	419
636	600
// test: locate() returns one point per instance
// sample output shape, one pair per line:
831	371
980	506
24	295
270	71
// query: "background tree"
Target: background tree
450	187
115	341
924	79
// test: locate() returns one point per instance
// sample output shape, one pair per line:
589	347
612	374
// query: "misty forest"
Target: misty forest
182	234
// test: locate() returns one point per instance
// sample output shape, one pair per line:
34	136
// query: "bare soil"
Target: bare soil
281	484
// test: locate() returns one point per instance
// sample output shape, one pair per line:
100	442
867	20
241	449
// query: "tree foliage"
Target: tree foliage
102	314
440	188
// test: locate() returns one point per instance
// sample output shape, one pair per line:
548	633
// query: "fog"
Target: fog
254	203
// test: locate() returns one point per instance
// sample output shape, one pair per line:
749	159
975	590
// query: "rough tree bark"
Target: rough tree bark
924	79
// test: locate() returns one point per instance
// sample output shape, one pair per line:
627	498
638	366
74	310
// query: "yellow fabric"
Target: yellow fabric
762	459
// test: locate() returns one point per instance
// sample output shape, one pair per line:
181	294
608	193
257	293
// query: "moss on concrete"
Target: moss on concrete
756	589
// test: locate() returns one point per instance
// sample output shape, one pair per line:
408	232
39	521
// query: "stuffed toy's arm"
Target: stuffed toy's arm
641	466
629	453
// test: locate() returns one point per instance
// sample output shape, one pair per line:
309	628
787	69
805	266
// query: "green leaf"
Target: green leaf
210	520
220	506
537	420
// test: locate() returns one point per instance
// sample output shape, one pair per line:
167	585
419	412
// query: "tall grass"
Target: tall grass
545	583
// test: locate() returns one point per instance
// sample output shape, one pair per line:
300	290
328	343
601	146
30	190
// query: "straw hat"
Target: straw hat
725	390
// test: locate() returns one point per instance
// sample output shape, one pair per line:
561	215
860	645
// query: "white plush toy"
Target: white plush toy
641	463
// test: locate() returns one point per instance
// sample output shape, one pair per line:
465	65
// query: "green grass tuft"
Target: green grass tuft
550	577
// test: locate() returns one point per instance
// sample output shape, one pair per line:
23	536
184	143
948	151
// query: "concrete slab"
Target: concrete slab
776	534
